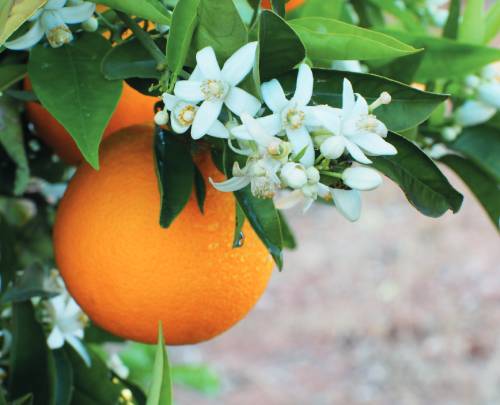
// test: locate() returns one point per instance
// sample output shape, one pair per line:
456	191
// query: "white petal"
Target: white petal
300	139
356	153
373	144
80	349
473	113
288	200
77	14
347	202
196	75
270	123
273	95
256	131
189	90
55	339
361	178
72	309
347	65
239	64
32	37
490	94
239	102
328	117
305	83
218	130
207	62
308	204
333	147
177	126
360	107
55	4
170	101
347	97
205	117
233	184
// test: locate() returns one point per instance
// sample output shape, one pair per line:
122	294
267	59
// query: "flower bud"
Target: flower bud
472	81
450	133
161	118
333	147
310	191
90	25
489	93
361	178
473	113
162	29
312	175
294	175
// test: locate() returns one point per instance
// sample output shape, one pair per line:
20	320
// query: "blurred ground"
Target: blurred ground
397	309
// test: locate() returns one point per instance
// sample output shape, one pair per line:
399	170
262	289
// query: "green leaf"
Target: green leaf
452	23
327	39
481	145
445	58
160	392
316	8
95	334
221	27
279	7
175	170
24	400
408	108
196	377
11	139
3	401
152	10
69	84
425	187
10	74
199	188
288	238
471	29
62	378
492	22
239	238
280	47
184	21
402	13
484	187
129	60
29	356
18	13
8	254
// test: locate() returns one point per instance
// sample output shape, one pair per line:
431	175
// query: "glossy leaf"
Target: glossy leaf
471	29
152	10
239	237
482	146
160	392
200	188
10	74
484	187
445	58
175	169
425	187
403	14
280	47
288	237
129	60
18	12
452	23
221	27
327	39
28	373
69	84
279	7
327	9
185	19
492	22
62	378
408	108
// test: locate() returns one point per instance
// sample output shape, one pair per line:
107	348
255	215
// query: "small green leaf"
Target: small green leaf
11	74
238	238
199	188
327	39
452	23
492	22
471	29
425	187
175	170
129	60
160	392
288	238
484	187
62	378
184	21
152	10
280	47
69	84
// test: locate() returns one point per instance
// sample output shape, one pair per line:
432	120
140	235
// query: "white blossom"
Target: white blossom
473	112
361	178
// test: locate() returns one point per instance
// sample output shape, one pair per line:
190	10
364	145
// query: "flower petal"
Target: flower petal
239	64
205	117
360	107
273	95
288	200
473	113
356	152
218	130
239	102
256	131
207	62
77	14
80	349
55	4
347	97
270	123
305	83
170	101
300	139
55	339
308	204
189	90
177	126
233	184
333	147
196	74
32	37
327	117
347	202
373	144
489	93
361	178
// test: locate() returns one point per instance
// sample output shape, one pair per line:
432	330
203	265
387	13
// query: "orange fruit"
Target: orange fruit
128	273
291	5
133	108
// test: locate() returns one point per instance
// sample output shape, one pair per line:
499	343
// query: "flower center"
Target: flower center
214	89
186	115
59	36
293	118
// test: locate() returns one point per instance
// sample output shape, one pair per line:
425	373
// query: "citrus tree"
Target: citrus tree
148	150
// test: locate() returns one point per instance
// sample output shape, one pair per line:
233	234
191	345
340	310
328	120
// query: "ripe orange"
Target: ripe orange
291	5
133	108
127	272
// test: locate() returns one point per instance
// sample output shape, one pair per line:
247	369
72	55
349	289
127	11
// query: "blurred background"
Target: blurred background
362	316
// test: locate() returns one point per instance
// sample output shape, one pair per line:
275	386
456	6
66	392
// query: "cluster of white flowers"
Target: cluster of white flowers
290	170
51	21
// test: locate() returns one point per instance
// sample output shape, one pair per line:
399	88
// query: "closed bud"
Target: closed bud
312	175
294	175
361	178
90	25
161	118
333	147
